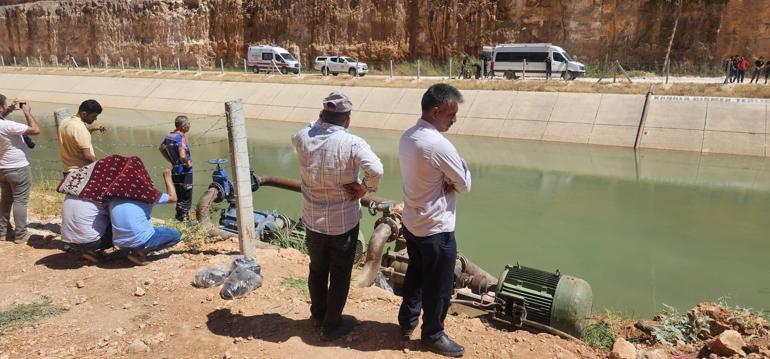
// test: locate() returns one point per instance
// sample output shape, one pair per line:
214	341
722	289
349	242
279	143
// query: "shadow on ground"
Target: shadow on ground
273	327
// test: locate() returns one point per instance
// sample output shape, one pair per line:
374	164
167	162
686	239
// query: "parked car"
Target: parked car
515	60
268	58
340	64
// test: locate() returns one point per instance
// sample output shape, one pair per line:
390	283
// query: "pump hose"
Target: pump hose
374	255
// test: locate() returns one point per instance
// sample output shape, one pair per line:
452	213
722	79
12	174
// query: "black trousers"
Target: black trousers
183	184
428	283
331	261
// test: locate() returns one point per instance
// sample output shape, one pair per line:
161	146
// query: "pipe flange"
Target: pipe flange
393	223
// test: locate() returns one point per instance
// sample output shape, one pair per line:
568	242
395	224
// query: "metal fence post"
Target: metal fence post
524	70
27	61
56	61
160	65
122	64
88	61
418	70
2	61
239	155
199	66
178	67
244	66
391	69
139	62
14	61
222	66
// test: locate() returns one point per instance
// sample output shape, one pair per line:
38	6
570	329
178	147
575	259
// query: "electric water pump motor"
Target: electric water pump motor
559	301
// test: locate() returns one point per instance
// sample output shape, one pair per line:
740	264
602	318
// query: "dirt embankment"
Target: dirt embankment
108	316
378	31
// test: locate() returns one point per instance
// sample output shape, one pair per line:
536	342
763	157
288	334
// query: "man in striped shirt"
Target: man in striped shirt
432	173
330	158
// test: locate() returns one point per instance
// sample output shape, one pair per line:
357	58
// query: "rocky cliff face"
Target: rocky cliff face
378	30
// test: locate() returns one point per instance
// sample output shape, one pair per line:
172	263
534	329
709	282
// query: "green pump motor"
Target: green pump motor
525	295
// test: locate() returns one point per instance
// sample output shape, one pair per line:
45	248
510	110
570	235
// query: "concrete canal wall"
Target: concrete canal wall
700	124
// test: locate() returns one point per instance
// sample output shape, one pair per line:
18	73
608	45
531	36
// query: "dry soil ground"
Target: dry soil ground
105	314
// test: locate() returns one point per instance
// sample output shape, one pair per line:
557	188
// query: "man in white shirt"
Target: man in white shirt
15	173
432	174
330	158
85	226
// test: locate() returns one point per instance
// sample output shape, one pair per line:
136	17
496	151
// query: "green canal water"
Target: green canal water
643	228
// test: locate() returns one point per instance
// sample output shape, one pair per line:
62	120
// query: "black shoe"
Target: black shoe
317	323
444	346
340	330
406	334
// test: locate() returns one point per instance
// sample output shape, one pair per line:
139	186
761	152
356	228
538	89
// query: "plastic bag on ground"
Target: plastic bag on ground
240	282
247	263
209	277
382	282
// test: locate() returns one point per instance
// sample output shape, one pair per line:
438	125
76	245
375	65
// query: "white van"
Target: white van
517	60
268	57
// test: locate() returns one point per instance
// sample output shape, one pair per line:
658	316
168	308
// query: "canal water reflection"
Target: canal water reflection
643	228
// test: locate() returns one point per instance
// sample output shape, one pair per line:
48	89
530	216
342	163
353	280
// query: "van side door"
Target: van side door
559	63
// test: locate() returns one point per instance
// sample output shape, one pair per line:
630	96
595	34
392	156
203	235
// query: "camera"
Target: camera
28	141
22	104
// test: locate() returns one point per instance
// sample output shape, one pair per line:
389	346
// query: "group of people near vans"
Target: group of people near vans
432	174
109	202
735	68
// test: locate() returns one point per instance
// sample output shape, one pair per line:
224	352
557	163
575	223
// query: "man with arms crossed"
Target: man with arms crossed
330	158
432	174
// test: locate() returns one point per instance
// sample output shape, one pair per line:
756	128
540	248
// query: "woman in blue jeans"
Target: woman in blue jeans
132	228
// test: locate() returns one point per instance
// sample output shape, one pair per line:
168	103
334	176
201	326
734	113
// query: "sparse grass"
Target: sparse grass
689	89
194	235
675	326
291	237
44	201
743	316
605	327
599	335
23	314
300	284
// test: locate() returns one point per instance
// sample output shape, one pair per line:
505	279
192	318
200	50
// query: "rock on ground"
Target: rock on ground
727	344
622	349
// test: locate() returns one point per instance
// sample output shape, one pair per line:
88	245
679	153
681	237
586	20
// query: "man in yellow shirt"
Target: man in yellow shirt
75	146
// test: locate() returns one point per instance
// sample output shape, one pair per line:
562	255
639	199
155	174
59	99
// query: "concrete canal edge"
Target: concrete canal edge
687	123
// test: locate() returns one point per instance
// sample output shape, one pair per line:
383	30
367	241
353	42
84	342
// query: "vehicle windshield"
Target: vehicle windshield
287	56
566	56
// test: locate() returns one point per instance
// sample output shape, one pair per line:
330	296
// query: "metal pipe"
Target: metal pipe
374	255
294	185
203	215
474	270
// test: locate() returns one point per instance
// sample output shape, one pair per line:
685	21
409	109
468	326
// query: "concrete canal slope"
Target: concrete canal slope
700	124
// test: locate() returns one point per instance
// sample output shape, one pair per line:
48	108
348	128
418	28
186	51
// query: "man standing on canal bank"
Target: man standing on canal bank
432	174
15	173
75	148
176	150
330	159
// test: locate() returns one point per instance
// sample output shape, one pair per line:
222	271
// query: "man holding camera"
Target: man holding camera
15	173
75	146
